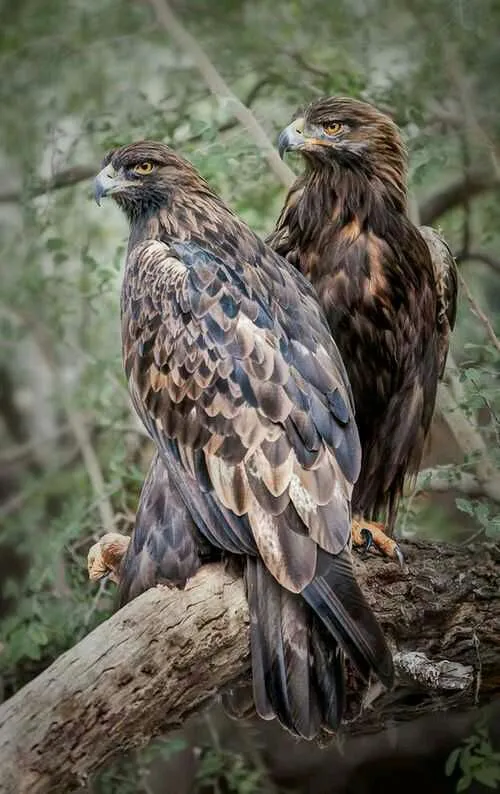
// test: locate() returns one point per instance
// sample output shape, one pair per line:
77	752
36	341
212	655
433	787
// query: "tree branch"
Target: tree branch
66	178
478	256
447	478
232	123
76	421
167	653
217	85
456	194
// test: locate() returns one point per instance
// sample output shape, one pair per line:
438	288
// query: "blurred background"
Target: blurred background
79	76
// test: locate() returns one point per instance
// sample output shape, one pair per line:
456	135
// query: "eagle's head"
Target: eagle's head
140	176
346	133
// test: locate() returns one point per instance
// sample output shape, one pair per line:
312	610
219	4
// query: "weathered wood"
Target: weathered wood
164	655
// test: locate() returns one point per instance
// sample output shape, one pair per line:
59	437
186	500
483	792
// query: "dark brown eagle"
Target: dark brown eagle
233	370
389	304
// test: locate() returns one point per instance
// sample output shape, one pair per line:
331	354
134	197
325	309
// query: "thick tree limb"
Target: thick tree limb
457	193
479	256
165	654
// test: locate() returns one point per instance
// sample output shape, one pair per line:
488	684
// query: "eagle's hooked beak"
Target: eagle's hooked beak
292	137
106	182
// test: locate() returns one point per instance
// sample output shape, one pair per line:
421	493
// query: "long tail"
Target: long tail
337	600
298	644
297	668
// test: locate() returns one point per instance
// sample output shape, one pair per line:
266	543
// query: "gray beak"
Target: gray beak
107	181
292	137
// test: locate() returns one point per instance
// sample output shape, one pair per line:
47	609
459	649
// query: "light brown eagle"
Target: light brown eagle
232	368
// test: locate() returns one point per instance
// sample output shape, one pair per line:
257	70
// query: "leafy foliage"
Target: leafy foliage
475	759
230	772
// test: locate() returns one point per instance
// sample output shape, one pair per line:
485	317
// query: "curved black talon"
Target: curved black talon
400	557
368	538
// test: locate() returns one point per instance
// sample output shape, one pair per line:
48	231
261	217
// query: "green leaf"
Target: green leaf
488	775
464	783
38	634
451	761
465	505
171	747
55	244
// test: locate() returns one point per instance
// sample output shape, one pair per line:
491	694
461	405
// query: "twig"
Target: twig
298	57
17	500
65	178
466	434
232	123
21	451
168	20
77	423
76	419
476	309
93	606
466	163
61	587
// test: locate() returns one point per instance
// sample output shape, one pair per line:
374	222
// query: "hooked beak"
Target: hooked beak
292	137
106	182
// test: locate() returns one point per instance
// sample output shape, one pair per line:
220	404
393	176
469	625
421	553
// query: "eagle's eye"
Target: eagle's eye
143	168
333	128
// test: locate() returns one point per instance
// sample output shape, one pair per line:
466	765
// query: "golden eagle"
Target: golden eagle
233	370
390	305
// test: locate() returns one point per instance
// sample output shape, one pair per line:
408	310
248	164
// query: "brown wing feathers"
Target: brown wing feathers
390	305
165	547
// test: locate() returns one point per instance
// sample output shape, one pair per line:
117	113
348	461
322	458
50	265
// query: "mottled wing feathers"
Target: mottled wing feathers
165	545
234	373
256	414
445	269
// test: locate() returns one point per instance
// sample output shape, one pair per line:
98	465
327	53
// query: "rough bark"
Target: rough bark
164	655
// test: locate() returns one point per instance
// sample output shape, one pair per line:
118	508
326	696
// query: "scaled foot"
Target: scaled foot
105	556
368	535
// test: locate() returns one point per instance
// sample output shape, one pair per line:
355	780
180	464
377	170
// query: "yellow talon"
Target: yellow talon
368	534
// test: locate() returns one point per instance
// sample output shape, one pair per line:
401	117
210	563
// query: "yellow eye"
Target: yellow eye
143	168
332	129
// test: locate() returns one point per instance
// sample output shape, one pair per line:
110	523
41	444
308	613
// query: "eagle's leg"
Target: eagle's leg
371	534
